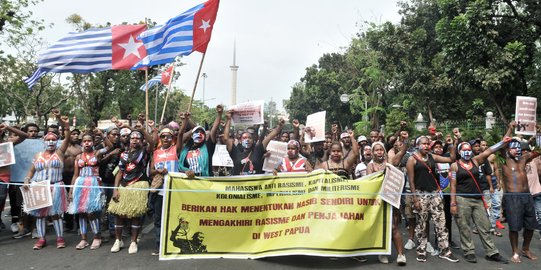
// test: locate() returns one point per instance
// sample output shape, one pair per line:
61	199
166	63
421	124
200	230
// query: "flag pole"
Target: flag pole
146	98
196	80
167	94
156	105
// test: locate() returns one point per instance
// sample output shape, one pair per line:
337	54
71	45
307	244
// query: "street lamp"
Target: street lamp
204	76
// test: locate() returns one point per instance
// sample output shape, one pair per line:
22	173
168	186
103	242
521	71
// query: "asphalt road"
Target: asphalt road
18	254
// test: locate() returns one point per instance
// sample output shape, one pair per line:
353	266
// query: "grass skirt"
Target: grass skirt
132	202
60	203
85	199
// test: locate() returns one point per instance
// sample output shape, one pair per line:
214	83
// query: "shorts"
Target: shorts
408	206
519	211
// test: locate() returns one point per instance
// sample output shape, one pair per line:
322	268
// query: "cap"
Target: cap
166	130
198	127
474	141
362	138
344	135
434	143
125	131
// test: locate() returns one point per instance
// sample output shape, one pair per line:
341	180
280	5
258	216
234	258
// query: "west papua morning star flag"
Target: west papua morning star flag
154	81
181	35
163	78
92	50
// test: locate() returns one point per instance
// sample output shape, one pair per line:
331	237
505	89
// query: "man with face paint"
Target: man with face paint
130	198
85	197
517	202
196	153
248	158
468	203
365	158
293	162
48	166
428	198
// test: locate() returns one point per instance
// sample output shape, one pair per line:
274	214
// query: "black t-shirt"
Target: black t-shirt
484	170
424	179
465	184
248	162
108	166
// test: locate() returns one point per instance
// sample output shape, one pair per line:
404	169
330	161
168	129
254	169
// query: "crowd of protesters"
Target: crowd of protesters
446	178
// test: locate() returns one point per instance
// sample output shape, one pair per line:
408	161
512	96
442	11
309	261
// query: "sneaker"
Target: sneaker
40	244
410	245
429	248
470	258
133	248
421	257
499	225
497	258
155	253
383	259
450	257
60	243
14	227
35	234
21	234
117	246
401	260
359	259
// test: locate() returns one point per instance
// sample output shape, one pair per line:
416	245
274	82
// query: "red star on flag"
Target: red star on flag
167	75
127	49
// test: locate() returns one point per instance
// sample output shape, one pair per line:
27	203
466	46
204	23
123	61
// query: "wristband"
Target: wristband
497	146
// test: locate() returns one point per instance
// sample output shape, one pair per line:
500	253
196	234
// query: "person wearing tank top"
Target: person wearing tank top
337	163
468	203
427	197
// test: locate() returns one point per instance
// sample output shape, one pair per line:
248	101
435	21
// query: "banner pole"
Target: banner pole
167	94
156	105
146	98
196	80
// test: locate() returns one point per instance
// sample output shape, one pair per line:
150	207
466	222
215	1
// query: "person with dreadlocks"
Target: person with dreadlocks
86	198
130	196
48	166
518	203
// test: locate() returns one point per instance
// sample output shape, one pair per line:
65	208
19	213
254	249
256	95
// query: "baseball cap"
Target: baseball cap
362	138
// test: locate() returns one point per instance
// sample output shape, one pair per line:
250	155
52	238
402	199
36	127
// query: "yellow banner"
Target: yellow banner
290	214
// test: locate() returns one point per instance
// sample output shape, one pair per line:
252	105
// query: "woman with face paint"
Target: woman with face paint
428	198
248	156
293	162
379	163
86	198
337	163
131	203
164	160
467	203
48	166
196	152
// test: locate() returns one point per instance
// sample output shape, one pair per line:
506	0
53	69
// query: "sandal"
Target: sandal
497	233
96	243
528	254
82	245
40	244
515	258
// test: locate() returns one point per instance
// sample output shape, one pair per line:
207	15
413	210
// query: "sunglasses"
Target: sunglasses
166	137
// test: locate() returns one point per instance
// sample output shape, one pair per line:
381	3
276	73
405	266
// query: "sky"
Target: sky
276	40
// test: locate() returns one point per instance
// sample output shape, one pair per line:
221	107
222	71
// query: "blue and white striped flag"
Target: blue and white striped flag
154	81
92	50
181	35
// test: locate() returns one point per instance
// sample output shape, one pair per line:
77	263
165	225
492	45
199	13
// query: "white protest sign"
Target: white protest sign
315	127
248	113
391	189
278	150
526	115
37	196
221	156
7	155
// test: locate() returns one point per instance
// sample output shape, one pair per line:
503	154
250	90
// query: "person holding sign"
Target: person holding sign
130	197
338	164
517	200
470	203
48	166
196	152
248	157
85	197
293	162
379	163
